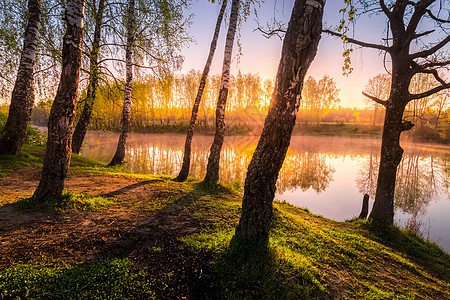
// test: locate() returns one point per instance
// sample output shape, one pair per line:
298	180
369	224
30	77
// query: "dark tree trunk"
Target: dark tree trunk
62	114
22	100
365	207
391	152
126	112
212	169
85	118
404	17
184	172
299	49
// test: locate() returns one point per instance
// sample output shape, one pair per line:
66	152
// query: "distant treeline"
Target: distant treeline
165	104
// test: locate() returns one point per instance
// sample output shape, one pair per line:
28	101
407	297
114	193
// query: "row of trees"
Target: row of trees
167	101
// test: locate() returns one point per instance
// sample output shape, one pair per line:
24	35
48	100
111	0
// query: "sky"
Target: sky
261	55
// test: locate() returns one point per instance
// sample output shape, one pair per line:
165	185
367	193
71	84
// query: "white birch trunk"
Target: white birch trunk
212	170
184	172
126	112
22	99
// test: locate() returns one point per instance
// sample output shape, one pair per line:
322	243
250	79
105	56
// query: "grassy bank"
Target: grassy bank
143	236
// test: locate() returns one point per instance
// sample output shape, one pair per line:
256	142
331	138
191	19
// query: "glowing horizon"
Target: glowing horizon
261	55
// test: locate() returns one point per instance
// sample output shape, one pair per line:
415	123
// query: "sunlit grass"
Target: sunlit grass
310	257
111	279
306	257
68	200
31	156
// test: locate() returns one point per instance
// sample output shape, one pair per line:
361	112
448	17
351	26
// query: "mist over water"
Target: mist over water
327	175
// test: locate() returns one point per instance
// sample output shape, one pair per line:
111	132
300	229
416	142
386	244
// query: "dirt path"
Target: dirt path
126	230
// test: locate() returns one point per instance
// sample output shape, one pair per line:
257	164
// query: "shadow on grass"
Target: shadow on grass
68	200
253	271
127	188
154	243
202	189
426	254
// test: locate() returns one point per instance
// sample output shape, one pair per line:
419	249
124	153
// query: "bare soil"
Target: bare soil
126	230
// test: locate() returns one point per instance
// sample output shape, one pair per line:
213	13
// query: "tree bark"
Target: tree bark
85	118
62	114
22	100
299	49
212	169
184	172
126	112
391	152
365	207
404	17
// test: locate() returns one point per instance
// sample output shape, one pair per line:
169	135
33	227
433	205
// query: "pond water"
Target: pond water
327	175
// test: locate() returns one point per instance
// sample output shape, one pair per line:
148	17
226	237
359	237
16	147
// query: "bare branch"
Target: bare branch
431	50
435	74
45	69
429	92
275	28
356	42
111	59
434	64
377	100
268	34
384	8
420	9
436	18
418	35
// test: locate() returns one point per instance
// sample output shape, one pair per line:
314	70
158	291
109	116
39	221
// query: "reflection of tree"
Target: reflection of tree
419	180
305	170
366	180
300	170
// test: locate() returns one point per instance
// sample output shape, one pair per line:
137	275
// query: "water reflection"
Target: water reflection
304	171
327	175
420	180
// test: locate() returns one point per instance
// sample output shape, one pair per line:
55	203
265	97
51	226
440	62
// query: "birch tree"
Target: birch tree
184	172
126	112
62	114
22	99
159	32
212	169
84	120
299	49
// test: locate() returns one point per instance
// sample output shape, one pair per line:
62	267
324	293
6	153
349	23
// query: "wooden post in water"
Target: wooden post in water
365	207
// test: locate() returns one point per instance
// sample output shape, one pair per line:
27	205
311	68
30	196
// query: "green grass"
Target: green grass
111	279
68	200
310	257
306	256
31	156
